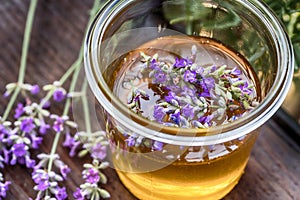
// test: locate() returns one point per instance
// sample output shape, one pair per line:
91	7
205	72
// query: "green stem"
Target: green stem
22	68
11	103
26	40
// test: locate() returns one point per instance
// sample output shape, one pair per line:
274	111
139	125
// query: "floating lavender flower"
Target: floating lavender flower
130	141
182	62
158	146
159	113
189	76
159	77
188	111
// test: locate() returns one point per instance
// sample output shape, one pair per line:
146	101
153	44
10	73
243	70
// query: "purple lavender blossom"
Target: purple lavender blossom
19	111
187	91
4	158
182	62
98	151
71	143
41	178
170	97
20	154
64	170
58	125
35	141
206	119
3	132
188	111
91	176
130	141
27	125
236	72
59	94
245	89
159	113
154	65
43	127
207	85
159	77
4	188
199	70
189	76
78	194
61	193
158	146
175	117
35	89
19	149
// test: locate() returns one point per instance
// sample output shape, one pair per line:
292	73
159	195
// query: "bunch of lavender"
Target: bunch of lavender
194	96
23	132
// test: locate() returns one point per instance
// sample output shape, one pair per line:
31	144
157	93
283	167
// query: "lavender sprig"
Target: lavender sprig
33	120
193	96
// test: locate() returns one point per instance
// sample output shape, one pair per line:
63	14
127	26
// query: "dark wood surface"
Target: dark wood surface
273	171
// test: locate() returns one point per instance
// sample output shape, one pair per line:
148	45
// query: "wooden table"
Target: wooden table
273	171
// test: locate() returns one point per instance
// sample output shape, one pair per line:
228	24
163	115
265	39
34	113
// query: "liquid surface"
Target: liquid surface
185	82
224	88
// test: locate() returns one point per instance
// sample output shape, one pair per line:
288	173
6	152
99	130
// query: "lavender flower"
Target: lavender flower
189	76
35	141
4	188
71	143
41	178
91	176
207	85
235	72
188	111
171	96
58	125
19	150
130	141
158	146
98	151
61	193
64	170
19	111
206	120
159	113
159	77
154	65
179	63
20	154
43	127
59	94
35	89
175	117
27	125
78	194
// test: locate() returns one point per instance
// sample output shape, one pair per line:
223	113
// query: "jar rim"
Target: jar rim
193	137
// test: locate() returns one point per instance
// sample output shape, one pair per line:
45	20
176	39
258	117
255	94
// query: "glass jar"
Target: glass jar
177	163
